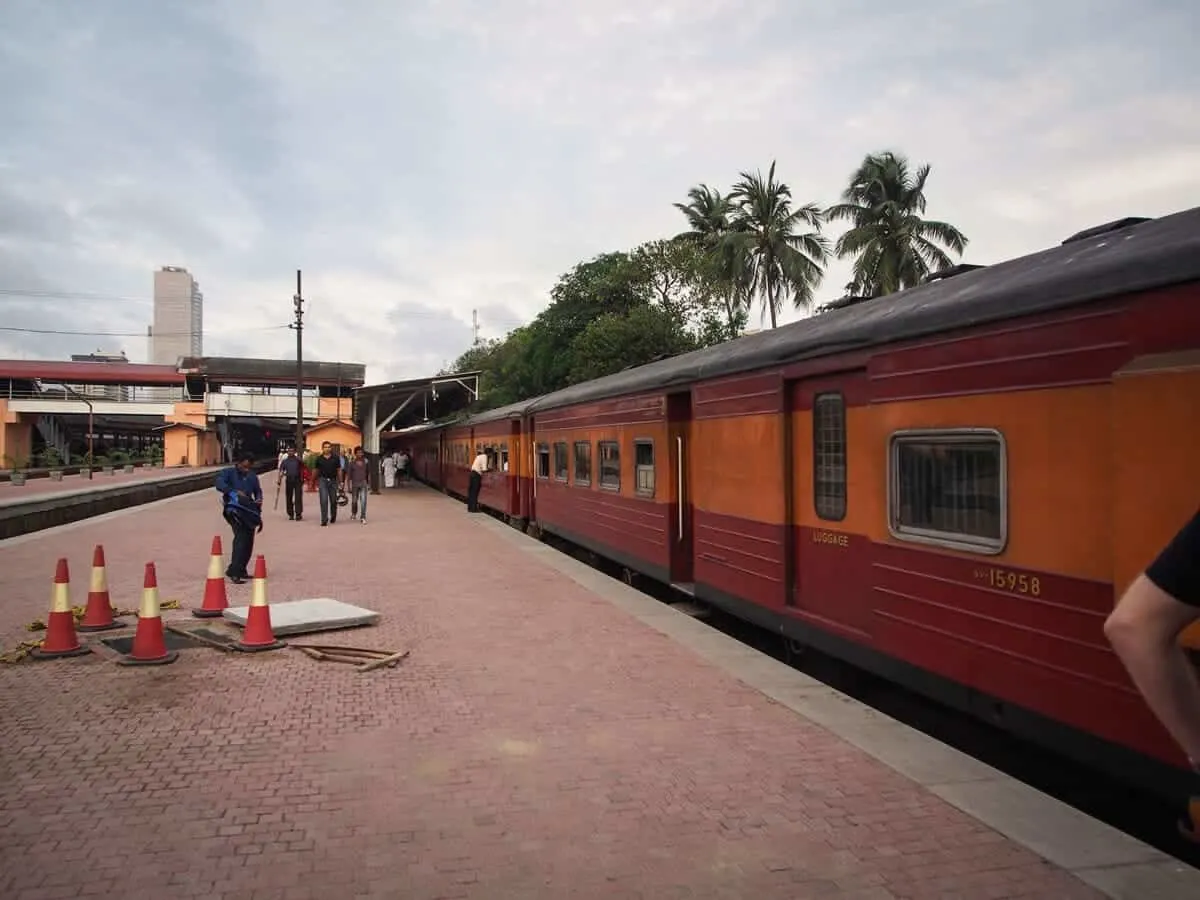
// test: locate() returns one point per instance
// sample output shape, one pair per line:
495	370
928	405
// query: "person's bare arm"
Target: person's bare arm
1144	631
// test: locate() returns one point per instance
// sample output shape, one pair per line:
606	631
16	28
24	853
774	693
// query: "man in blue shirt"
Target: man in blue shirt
242	498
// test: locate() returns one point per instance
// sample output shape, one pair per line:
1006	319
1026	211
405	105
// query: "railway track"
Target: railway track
1141	815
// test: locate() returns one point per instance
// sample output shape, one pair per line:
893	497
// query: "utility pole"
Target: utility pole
298	301
475	327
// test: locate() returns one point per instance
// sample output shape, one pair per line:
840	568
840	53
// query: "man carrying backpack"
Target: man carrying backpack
242	498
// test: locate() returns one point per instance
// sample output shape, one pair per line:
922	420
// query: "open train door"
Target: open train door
679	423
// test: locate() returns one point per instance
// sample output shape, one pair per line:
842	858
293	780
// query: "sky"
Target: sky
421	159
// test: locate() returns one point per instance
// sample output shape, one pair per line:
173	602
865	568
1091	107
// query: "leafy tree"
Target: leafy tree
614	342
765	232
681	278
892	245
608	284
726	270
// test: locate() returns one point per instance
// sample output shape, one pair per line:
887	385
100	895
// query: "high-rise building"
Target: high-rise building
178	328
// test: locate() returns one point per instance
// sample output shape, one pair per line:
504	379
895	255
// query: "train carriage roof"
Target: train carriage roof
1087	267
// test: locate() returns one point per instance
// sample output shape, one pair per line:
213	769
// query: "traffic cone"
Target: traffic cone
99	613
215	600
61	639
149	641
257	635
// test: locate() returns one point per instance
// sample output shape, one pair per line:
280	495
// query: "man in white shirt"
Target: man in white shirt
478	468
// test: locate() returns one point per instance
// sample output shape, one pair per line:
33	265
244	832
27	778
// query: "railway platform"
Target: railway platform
43	503
553	734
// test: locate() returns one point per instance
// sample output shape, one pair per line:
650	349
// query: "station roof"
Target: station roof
60	372
246	371
419	399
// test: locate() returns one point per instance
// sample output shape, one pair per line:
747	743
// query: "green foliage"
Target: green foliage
893	246
752	245
615	342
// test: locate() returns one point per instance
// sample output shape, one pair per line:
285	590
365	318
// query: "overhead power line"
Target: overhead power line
136	333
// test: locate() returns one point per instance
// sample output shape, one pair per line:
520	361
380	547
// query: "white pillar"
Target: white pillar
370	429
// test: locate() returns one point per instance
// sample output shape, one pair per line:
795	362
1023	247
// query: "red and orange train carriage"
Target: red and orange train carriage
948	486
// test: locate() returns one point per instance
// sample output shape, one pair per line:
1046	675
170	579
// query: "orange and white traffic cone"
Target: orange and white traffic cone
61	639
257	635
99	613
215	599
149	641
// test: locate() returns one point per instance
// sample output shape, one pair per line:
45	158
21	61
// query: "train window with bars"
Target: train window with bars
583	463
829	456
949	488
543	460
610	465
560	461
643	466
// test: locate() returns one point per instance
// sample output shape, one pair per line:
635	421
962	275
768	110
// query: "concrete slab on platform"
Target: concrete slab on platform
308	616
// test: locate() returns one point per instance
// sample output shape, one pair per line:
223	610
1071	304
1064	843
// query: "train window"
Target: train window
560	461
949	488
504	457
829	457
610	465
583	463
643	466
543	460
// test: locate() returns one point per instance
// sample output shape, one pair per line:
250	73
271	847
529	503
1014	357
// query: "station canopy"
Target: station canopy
402	404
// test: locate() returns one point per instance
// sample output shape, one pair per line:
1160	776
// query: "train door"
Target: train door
512	468
679	421
531	461
829	546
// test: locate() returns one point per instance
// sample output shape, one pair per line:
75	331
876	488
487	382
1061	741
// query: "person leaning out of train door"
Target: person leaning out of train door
1144	630
479	468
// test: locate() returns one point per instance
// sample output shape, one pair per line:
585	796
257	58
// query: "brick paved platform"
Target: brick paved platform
540	742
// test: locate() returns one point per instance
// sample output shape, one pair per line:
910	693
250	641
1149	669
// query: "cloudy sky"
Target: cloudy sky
422	158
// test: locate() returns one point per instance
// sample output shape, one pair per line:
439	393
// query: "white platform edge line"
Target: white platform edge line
1138	872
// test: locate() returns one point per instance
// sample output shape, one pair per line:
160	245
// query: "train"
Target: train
948	486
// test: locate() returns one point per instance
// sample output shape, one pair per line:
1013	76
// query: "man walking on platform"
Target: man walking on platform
359	476
242	498
291	471
329	479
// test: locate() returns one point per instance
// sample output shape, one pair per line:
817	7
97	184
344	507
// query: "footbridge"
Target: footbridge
207	406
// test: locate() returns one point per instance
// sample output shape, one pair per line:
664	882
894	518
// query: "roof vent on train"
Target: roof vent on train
1106	228
943	274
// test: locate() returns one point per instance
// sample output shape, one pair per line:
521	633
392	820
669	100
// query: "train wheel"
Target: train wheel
792	649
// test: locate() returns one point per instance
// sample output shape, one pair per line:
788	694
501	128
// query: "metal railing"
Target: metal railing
100	393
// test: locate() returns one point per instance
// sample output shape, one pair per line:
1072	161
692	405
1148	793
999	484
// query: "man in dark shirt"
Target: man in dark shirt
359	475
242	498
291	470
329	478
1144	630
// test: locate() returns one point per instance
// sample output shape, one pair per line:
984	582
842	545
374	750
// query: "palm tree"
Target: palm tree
763	232
708	212
894	248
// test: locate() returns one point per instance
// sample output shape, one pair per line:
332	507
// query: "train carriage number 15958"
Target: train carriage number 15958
1004	580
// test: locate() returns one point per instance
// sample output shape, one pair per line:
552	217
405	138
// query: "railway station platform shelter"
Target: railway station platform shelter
396	405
